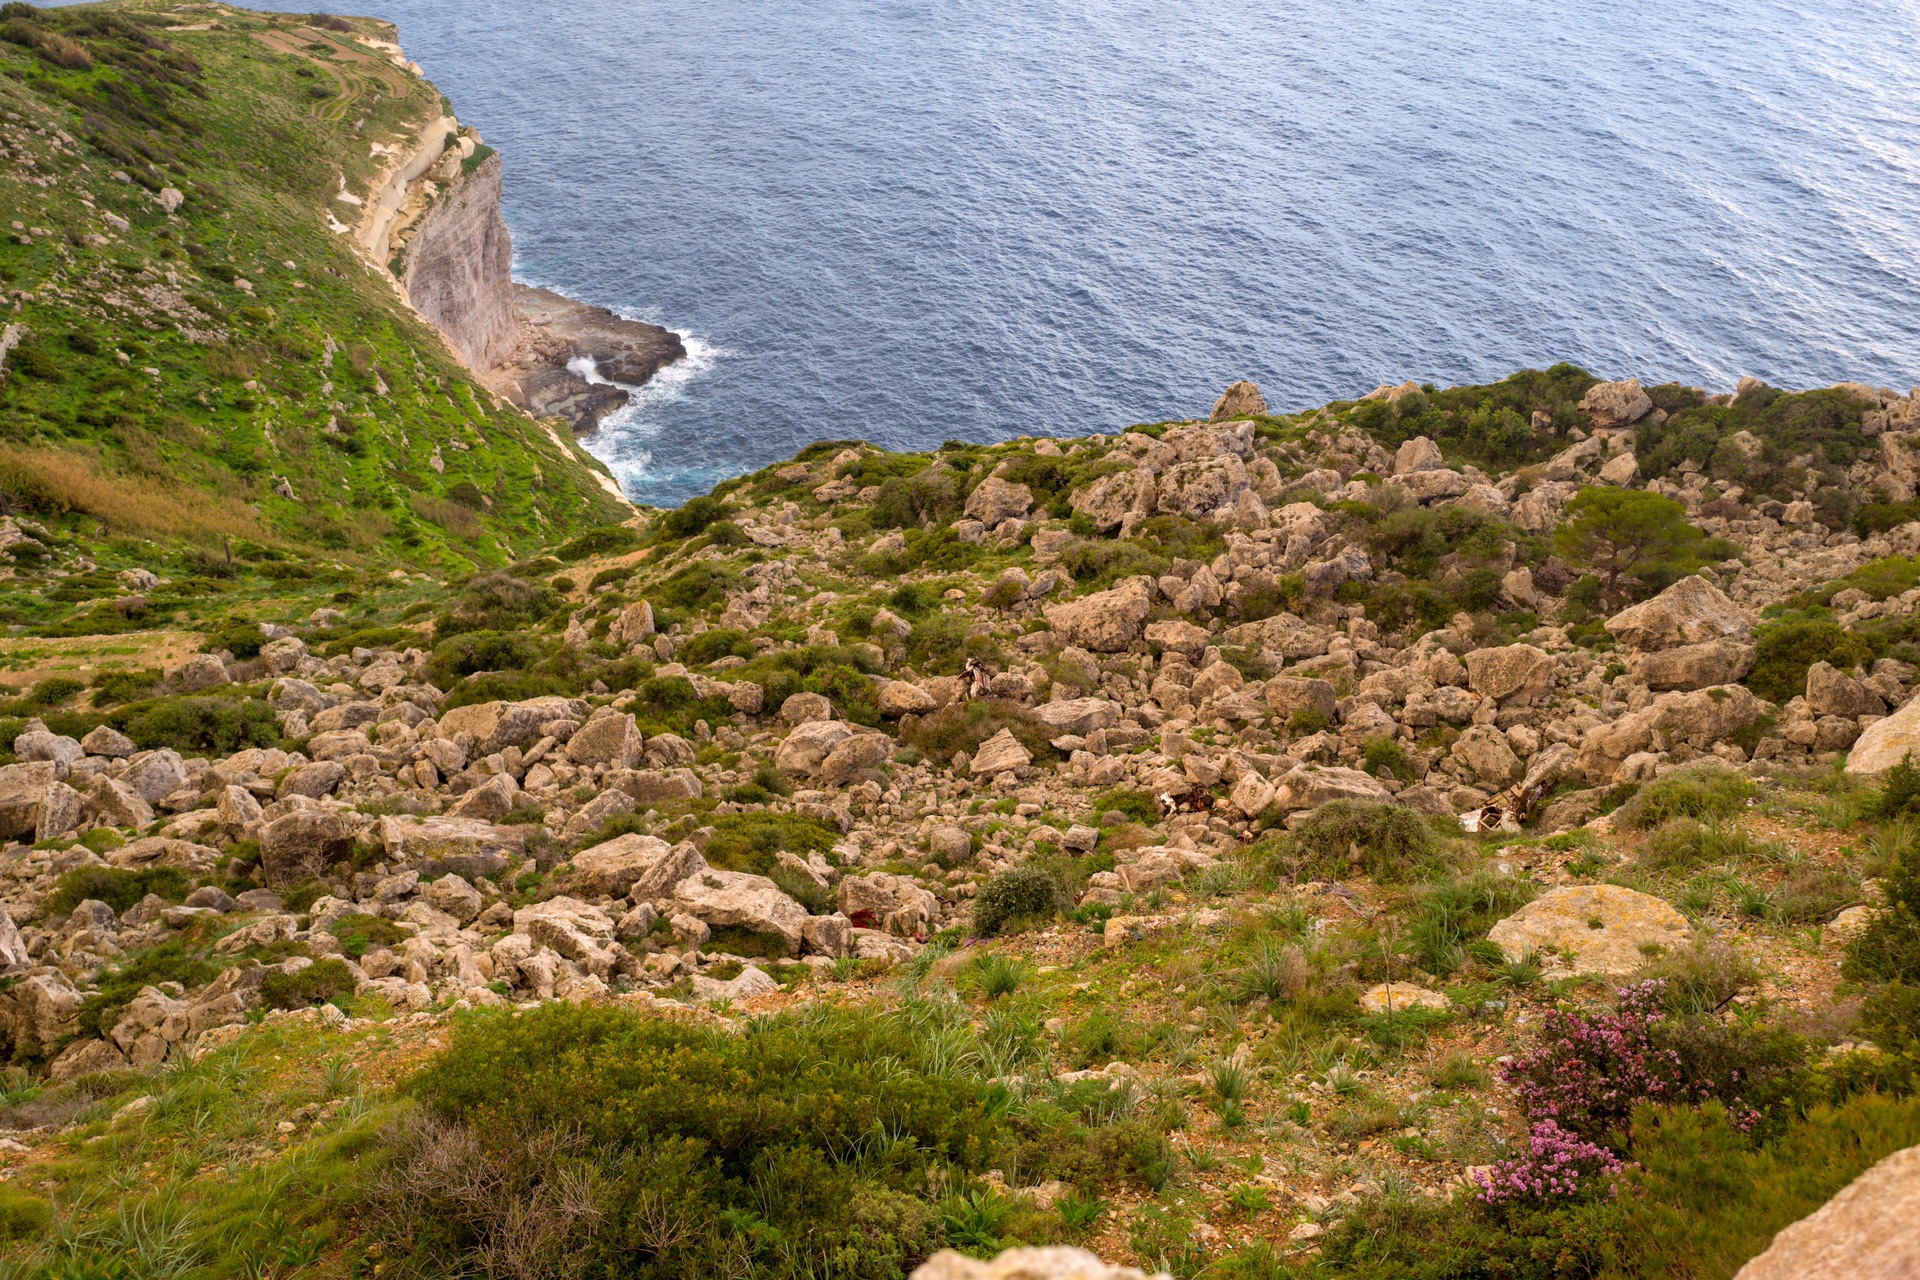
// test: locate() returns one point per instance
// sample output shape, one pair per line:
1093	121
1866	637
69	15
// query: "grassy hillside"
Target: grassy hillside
227	385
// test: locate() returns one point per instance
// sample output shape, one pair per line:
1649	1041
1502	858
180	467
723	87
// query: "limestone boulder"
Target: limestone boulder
201	671
1611	405
1884	744
898	698
1200	488
896	904
455	896
950	843
1191	441
1240	400
1309	786
860	754
302	844
105	740
634	624
1418	454
56	748
998	754
802	708
1432	486
1691	611
808	746
440	844
995	500
86	1057
156	774
582	933
1692	666
495	726
1104	622
1077	715
109	801
1483	751
1511	674
1290	696
1109	500
738	900
610	740
1869	1231
1606	928
314	779
1700	718
491	801
1398	997
656	786
1831	692
164	851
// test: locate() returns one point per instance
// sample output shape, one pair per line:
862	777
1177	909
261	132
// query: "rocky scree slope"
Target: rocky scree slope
1178	713
813	714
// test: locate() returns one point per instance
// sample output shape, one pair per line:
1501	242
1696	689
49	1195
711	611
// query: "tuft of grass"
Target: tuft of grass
1695	791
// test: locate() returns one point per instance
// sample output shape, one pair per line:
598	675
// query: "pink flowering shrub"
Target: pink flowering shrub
1554	1164
1579	1085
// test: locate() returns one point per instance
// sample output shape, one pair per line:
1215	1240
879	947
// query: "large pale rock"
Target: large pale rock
859	754
1432	486
56	748
1252	793
634	624
897	698
1240	400
1869	1231
453	895
1291	695
996	500
156	774
491	801
735	899
1510	674
1418	454
1692	666
23	793
1104	622
611	868
1194	440
1699	718
1691	611
1203	487
1608	929
800	708
1309	786
1000	753
1885	743
314	779
582	933
1397	997
162	851
109	801
60	812
613	741
1077	715
809	745
1832	693
301	845
105	740
1109	500
498	725
896	904
1616	404
1484	752
1054	1262
467	845
656	786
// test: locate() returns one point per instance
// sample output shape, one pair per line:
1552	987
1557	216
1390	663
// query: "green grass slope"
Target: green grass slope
230	377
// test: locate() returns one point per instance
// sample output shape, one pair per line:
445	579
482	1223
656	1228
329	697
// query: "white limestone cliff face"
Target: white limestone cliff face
459	263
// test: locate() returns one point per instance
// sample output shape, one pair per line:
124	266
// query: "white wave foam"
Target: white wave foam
619	441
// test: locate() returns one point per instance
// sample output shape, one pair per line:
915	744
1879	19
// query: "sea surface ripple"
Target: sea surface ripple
909	222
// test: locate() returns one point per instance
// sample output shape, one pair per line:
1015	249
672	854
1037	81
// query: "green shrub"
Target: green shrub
1783	653
800	1147
358	934
472	652
318	982
963	726
1389	842
1136	804
1695	791
692	519
598	542
199	725
168	962
1016	894
242	639
111	687
711	646
1452	915
1889	949
119	888
752	841
1682	843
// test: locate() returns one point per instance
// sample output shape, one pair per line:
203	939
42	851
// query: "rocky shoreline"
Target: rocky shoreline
558	336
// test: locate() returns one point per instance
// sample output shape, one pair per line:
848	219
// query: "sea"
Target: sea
909	221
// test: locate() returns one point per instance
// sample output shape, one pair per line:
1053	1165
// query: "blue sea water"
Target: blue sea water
912	221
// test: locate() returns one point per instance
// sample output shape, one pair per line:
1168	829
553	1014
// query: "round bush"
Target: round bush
1015	894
